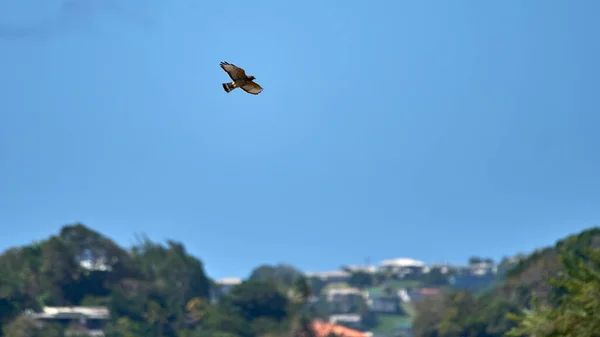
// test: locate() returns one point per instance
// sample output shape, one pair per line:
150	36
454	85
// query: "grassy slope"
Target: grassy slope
399	284
387	323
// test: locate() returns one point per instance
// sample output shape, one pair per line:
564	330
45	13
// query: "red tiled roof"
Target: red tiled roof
429	291
322	329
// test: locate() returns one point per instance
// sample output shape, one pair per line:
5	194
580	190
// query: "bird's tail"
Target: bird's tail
228	87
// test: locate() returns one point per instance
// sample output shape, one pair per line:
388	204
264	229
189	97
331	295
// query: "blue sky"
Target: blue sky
434	130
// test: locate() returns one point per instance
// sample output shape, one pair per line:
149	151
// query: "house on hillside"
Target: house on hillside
417	294
471	282
401	267
76	320
337	294
384	304
345	300
380	302
225	284
99	264
442	268
483	268
474	277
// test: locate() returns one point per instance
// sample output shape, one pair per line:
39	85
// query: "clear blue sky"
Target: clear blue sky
434	130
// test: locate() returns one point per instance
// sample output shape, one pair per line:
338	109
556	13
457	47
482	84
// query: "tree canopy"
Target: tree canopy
160	290
552	292
151	289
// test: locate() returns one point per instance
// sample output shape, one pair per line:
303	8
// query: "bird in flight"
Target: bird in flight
240	80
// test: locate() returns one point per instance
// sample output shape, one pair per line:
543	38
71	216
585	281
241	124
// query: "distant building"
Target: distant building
364	269
443	268
418	294
402	266
380	302
336	294
330	276
76	320
384	304
474	277
345	300
471	282
223	286
483	268
99	264
352	321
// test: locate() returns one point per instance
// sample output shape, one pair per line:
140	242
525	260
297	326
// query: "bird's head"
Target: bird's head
251	78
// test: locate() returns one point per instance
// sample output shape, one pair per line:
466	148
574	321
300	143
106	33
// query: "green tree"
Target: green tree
305	313
196	308
282	274
100	264
430	311
224	320
316	284
256	299
124	327
167	275
156	316
56	273
302	289
486	313
13	287
25	326
576	309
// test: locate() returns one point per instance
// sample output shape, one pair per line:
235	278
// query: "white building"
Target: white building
402	262
402	266
444	269
95	265
330	276
86	320
384	304
483	268
345	299
225	284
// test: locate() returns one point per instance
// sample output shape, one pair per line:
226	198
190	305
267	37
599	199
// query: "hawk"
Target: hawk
240	80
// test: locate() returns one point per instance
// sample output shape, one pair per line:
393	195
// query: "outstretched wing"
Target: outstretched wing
236	73
252	88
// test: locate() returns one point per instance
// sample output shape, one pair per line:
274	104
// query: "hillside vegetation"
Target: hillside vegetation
159	290
553	292
151	290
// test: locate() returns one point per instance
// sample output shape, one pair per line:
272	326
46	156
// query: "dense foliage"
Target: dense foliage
574	307
151	290
160	290
553	292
